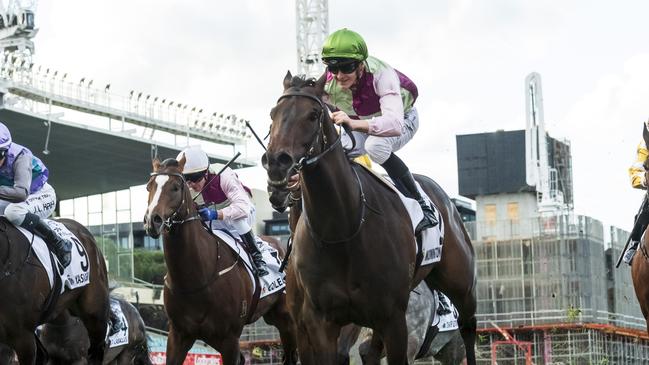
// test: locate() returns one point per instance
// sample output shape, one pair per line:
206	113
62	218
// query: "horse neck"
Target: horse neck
330	189
190	251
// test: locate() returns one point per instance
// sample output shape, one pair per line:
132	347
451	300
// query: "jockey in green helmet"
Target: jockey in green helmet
377	102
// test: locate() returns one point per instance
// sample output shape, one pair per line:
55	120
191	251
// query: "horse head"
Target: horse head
169	198
299	131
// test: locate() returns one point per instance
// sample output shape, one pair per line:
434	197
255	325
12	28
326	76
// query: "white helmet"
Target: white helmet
195	159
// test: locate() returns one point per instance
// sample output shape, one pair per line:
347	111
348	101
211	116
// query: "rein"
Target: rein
317	238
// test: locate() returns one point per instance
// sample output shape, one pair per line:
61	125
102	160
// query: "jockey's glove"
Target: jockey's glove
208	214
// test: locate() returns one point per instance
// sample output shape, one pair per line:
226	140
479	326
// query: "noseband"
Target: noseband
169	223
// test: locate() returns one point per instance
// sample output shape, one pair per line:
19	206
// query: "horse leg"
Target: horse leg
279	317
465	302
317	340
177	346
372	351
229	350
96	324
395	339
25	347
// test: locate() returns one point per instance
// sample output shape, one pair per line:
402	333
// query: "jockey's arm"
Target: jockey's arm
22	180
390	122
637	170
239	200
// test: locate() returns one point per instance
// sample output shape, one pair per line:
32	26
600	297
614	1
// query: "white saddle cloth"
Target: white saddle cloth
77	274
271	283
432	238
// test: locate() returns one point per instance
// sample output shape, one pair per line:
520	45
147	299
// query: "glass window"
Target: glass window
512	211
490	214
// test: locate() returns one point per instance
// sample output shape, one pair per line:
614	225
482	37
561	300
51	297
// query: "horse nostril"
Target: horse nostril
264	161
157	219
285	160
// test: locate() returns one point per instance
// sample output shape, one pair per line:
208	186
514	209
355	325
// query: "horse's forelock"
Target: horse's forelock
302	81
170	162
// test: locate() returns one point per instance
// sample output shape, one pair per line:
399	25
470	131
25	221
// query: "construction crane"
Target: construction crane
312	29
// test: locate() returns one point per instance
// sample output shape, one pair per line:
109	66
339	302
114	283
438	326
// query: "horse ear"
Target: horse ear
320	84
181	163
287	79
156	164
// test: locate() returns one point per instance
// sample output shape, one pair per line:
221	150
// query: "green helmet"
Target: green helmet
344	43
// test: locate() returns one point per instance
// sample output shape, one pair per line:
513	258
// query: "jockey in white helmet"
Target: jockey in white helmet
228	201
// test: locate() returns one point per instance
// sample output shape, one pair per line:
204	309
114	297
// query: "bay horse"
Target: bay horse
354	252
25	287
207	291
66	340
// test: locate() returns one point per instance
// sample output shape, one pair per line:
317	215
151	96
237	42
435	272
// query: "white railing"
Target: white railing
51	87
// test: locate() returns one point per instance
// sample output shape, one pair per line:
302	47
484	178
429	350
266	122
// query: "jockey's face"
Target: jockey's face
197	185
348	80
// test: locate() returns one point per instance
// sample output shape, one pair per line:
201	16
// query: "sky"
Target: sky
469	59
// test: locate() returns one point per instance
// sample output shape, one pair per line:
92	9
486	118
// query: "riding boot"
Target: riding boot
258	261
405	182
62	248
116	323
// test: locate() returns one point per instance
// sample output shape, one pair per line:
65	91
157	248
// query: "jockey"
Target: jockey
376	101
25	196
637	173
236	212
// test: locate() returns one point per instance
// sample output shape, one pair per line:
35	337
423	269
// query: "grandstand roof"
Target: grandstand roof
84	160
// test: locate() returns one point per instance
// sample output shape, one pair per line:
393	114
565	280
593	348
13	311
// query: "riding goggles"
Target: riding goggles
345	68
194	177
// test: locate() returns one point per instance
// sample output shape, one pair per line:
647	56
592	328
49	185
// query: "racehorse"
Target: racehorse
66	340
354	254
640	263
25	287
207	291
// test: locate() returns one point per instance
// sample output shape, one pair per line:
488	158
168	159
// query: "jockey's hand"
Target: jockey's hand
340	117
208	214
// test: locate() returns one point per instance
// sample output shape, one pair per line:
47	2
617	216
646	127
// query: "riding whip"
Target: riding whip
217	174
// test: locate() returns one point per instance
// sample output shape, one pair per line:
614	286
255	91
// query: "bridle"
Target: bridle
170	222
308	158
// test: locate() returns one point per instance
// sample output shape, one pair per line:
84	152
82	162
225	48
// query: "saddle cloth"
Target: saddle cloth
271	283
448	321
432	238
77	274
121	337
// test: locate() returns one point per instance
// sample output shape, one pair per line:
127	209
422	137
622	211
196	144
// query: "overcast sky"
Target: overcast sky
468	58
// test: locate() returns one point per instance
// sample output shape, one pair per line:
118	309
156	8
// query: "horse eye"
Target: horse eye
314	115
175	187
